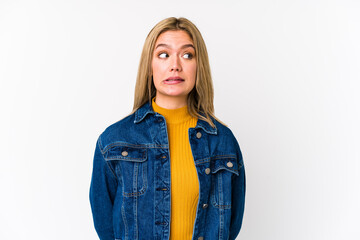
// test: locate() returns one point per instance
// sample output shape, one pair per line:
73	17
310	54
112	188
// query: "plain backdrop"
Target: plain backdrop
286	77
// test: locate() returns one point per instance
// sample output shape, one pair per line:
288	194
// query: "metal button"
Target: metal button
198	134
124	153
200	238
207	171
205	205
229	164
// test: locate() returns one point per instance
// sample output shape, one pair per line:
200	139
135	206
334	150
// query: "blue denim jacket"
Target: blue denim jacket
130	185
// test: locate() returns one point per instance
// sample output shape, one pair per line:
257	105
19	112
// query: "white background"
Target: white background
286	77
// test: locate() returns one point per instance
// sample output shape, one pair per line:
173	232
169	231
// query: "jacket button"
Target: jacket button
200	238
124	153
198	134
229	164
205	205
207	171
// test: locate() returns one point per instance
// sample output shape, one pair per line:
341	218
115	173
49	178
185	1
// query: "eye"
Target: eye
188	56
163	55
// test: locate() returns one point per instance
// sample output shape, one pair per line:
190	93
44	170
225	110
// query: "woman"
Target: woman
170	169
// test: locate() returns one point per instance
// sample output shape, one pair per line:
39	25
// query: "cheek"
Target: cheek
154	67
155	72
192	75
193	71
157	68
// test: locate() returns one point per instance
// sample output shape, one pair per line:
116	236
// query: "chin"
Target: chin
174	93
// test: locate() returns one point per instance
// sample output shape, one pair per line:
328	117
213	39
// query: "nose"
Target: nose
175	65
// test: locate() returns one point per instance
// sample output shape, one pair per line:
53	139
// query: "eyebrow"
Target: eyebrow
168	46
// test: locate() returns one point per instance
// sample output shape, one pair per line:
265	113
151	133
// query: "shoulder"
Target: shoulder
226	140
223	131
116	132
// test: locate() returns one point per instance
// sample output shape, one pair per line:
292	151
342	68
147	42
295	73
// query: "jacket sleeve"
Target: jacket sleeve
102	193
238	196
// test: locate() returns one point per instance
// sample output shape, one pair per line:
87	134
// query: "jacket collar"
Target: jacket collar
146	109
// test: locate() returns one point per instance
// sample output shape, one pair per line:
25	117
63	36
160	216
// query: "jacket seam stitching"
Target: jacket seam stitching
107	164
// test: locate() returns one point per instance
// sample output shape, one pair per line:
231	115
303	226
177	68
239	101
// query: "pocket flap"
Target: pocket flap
126	153
224	163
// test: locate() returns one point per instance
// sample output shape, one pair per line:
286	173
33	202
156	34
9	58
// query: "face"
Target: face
174	65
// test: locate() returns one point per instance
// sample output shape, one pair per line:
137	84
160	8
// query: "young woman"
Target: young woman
170	169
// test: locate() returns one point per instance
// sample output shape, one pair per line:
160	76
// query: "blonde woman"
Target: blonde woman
170	169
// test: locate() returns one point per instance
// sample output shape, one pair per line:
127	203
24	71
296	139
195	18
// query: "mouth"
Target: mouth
174	79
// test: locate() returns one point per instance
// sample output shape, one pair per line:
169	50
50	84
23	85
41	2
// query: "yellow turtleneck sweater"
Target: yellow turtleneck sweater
184	179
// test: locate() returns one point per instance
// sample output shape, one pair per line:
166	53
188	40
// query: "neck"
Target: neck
171	102
173	116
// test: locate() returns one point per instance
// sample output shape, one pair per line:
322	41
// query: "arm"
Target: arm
102	193
238	196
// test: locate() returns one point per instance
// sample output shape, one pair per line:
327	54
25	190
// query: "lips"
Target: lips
174	79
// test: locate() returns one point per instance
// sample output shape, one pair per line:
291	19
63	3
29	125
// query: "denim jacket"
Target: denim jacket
130	184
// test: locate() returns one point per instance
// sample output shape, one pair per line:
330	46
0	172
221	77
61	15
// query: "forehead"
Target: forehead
174	37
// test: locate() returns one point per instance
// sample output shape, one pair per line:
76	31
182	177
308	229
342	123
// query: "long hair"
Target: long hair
201	97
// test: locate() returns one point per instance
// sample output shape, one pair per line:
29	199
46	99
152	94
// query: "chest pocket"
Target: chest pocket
223	169
131	167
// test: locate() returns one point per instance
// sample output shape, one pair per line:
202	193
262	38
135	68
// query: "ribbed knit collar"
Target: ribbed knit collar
174	116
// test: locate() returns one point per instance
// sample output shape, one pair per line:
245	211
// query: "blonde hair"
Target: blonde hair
202	95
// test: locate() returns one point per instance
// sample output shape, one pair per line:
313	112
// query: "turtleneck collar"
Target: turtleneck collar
177	115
